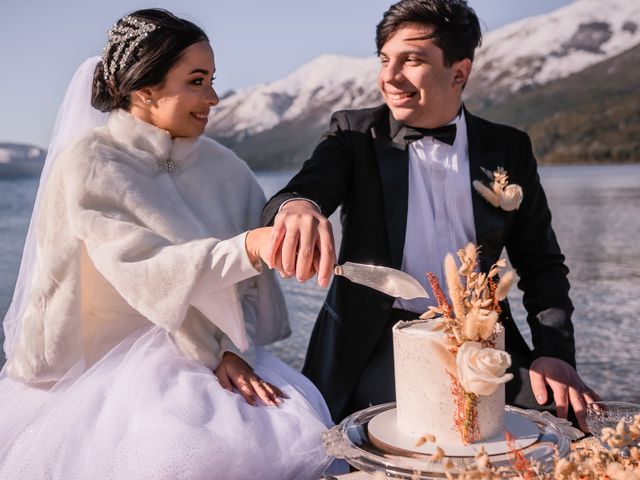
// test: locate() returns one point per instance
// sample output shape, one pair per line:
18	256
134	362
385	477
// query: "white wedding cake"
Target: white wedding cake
426	372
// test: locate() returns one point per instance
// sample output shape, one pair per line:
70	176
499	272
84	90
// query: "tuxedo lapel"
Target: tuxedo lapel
485	152
393	163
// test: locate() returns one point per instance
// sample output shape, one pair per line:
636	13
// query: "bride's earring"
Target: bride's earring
148	101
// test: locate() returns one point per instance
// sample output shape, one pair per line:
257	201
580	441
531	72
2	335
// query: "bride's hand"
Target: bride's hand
259	246
257	243
235	372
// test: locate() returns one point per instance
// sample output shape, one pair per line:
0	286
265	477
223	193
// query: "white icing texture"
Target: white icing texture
425	403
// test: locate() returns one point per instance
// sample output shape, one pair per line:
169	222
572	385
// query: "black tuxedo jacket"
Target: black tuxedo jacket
361	164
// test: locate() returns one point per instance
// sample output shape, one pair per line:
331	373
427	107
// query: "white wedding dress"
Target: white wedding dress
132	299
143	411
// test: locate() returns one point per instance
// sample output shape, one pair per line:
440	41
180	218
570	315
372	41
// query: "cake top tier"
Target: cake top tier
425	328
428	328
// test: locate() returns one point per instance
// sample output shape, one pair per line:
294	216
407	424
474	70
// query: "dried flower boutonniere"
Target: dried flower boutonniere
470	323
499	193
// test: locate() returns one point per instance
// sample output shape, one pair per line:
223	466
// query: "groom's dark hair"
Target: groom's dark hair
150	58
456	26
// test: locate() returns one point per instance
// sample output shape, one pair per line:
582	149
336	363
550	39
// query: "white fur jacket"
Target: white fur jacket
124	244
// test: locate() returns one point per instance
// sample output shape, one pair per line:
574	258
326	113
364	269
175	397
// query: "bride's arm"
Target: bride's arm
200	336
248	291
236	368
155	276
200	340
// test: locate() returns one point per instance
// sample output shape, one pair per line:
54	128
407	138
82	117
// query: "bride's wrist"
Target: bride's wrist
254	241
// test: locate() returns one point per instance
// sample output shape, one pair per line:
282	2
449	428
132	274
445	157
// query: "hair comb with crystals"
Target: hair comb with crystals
124	36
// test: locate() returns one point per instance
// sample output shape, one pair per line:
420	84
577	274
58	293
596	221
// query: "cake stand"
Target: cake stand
351	441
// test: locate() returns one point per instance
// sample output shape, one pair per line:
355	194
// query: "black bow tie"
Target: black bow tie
446	134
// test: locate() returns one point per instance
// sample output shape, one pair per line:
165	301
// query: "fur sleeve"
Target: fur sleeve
134	239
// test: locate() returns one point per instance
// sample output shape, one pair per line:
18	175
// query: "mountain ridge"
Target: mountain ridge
589	117
276	125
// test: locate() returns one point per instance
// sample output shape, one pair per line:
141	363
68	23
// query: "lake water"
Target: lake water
596	215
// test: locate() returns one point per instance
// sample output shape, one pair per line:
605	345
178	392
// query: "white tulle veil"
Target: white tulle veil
75	117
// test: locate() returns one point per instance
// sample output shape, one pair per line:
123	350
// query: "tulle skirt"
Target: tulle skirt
143	411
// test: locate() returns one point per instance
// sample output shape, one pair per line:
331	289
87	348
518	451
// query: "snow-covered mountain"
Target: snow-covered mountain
20	160
536	50
518	56
339	81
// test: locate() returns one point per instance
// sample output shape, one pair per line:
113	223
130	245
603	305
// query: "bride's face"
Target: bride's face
180	105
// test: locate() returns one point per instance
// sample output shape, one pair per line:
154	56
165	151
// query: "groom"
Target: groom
403	173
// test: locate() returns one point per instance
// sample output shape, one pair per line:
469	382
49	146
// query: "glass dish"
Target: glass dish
350	440
607	413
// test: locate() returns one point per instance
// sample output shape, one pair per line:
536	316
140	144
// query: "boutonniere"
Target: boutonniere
499	193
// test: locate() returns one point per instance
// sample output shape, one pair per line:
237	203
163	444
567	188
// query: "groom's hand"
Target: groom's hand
300	234
566	385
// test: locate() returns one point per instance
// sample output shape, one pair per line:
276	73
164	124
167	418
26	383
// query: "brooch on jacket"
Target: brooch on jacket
170	166
499	193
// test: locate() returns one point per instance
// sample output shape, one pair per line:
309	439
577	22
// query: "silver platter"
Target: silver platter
350	440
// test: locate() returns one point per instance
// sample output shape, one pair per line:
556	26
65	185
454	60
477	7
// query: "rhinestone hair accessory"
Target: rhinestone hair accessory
124	37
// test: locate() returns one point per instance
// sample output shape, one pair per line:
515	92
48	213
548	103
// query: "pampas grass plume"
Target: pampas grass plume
486	193
504	285
456	290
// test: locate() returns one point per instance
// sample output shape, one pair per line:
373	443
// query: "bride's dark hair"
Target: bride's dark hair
148	61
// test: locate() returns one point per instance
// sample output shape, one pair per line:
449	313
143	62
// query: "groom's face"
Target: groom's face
416	85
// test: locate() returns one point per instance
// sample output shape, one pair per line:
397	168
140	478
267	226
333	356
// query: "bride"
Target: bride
134	338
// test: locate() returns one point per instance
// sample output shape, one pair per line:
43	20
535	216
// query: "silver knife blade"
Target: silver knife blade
384	279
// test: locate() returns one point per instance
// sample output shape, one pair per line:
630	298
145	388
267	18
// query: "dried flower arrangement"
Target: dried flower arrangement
469	323
499	193
587	460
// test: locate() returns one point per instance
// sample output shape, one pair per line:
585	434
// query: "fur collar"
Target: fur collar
148	143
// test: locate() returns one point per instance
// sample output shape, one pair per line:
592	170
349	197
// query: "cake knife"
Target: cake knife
384	279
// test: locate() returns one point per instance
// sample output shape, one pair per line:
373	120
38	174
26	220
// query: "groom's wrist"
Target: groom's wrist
299	199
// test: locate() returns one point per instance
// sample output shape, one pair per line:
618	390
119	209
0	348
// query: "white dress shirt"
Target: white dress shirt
440	214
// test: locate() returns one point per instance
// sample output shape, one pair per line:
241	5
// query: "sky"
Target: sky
255	41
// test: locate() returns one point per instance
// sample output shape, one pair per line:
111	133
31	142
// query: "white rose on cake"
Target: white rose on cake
482	370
